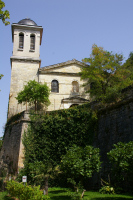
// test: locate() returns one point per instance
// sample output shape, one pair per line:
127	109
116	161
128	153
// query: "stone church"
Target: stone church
63	78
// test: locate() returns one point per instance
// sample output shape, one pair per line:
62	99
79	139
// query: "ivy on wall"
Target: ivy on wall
50	135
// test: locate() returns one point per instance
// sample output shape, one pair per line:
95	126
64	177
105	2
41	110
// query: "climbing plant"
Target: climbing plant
50	135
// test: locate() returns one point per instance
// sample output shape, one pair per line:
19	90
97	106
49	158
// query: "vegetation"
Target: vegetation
23	192
105	75
57	132
4	14
121	158
1	75
1	142
65	193
34	93
80	163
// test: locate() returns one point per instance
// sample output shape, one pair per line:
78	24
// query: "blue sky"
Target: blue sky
71	27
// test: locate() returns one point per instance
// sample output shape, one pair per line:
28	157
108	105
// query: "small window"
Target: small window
32	42
54	86
75	87
21	41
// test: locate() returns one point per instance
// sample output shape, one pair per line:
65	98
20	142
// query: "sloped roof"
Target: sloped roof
73	61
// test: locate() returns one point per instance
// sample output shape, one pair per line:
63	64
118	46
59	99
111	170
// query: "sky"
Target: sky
70	28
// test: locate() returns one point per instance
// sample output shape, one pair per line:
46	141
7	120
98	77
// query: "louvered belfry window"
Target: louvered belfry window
54	86
32	42
21	41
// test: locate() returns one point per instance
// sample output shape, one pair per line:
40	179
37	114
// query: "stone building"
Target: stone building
63	79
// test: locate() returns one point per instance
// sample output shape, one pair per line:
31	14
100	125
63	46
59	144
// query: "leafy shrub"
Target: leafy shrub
22	192
121	158
75	196
107	190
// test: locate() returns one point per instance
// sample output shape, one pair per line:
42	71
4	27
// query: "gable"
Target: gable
71	67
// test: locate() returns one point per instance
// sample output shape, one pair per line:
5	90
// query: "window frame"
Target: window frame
32	43
55	88
21	41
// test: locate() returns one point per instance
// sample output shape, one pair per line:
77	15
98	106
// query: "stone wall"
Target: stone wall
115	123
11	155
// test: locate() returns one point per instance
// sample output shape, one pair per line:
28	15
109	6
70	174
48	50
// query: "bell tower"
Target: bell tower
25	60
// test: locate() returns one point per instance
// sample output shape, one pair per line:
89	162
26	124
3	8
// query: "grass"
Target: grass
63	194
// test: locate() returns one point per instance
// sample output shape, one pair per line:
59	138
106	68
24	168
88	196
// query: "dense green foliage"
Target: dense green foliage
79	163
128	65
50	135
23	192
34	93
105	75
121	158
4	14
1	142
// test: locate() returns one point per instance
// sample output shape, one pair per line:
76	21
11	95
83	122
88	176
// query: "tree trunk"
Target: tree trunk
46	185
35	105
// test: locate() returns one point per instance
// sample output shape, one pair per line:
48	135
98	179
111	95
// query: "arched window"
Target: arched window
75	87
32	42
21	40
54	86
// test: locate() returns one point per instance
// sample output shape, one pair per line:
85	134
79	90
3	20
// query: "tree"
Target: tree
128	65
42	172
1	75
80	163
105	75
34	93
121	158
4	14
1	142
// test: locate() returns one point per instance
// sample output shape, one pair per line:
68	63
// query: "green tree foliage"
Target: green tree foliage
121	158
34	93
50	135
1	142
1	75
42	172
128	65
79	162
105	75
4	14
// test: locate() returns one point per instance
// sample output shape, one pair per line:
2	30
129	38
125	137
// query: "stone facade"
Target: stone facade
25	66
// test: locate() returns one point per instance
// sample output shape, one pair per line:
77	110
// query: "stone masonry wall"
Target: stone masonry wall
11	155
115	123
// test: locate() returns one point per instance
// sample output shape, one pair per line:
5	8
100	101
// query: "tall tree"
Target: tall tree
4	14
105	75
34	93
128	65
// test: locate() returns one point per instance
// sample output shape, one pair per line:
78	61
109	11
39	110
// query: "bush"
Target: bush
22	192
107	190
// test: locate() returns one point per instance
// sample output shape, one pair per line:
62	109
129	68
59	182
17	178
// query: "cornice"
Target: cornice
69	62
25	59
59	73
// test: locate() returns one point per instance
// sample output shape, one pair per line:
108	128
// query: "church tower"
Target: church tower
25	60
